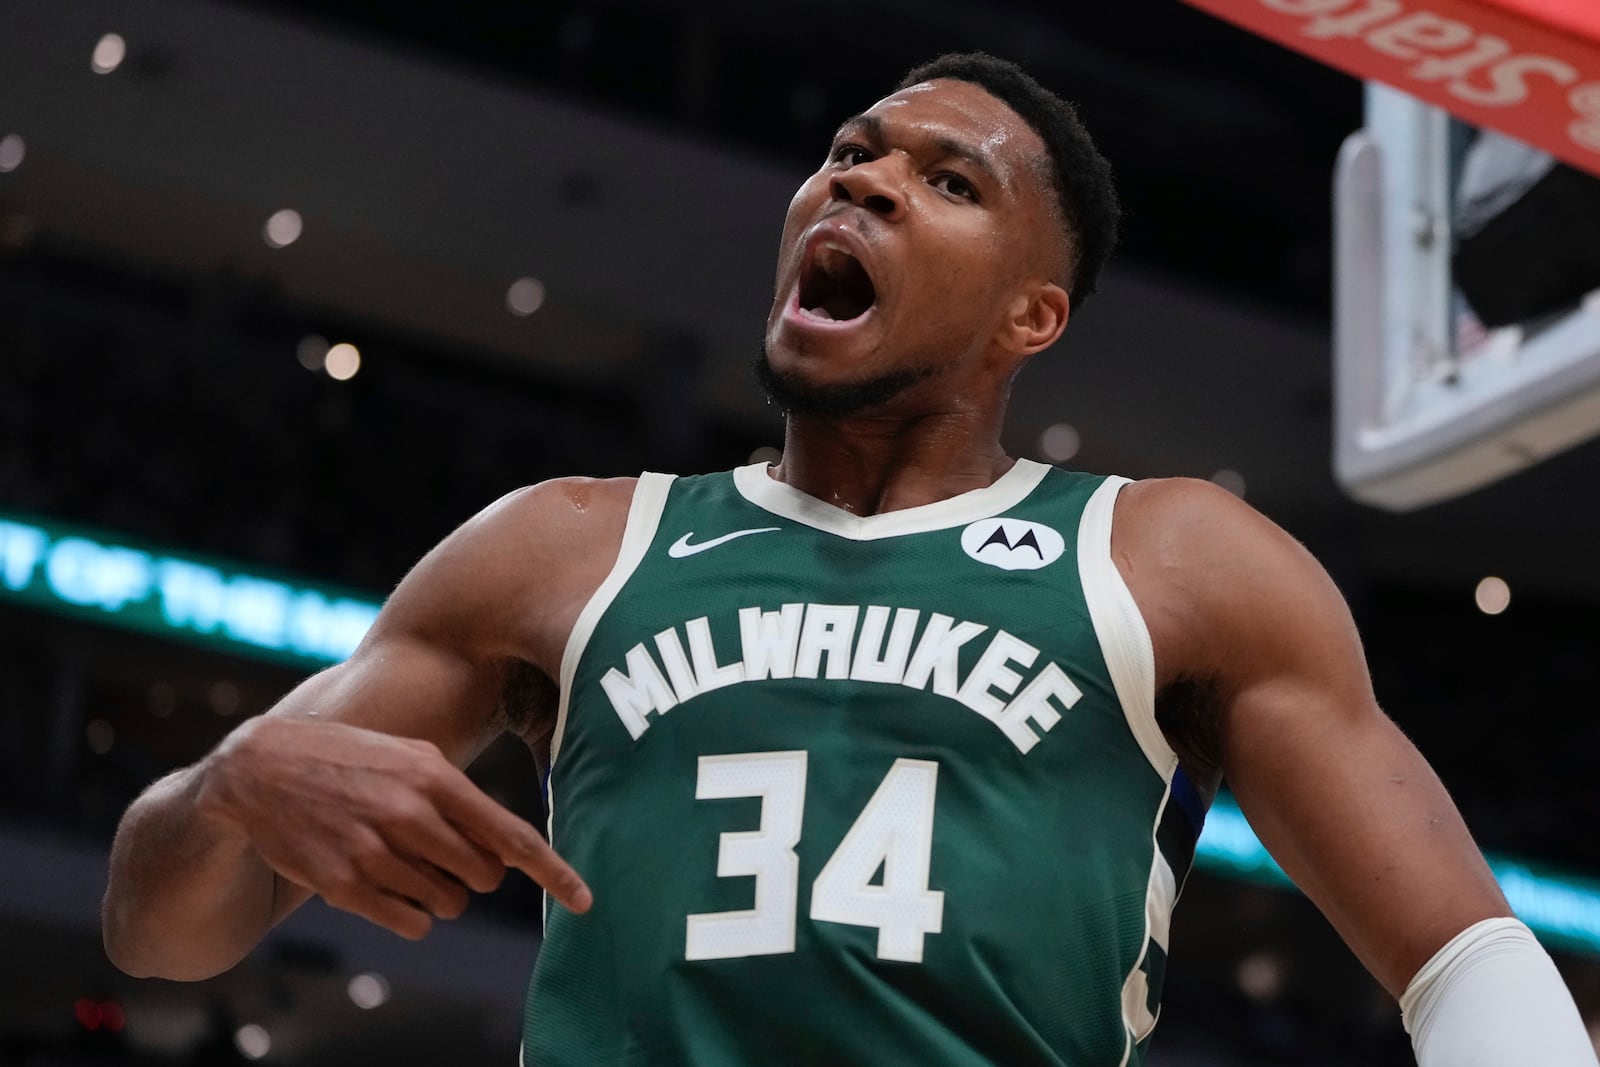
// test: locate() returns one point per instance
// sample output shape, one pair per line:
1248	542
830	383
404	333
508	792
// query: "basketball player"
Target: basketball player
893	753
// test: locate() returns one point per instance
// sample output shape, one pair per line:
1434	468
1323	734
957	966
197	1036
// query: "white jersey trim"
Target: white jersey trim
1124	638
644	516
785	501
1160	896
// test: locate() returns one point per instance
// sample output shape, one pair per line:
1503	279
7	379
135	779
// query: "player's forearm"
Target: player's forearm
187	895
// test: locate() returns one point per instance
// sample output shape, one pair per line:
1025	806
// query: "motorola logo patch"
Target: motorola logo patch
1012	544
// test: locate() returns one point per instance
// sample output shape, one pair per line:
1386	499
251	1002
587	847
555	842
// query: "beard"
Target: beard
793	395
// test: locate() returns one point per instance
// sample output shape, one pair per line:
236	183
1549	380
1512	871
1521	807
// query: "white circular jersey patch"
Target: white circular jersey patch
1012	544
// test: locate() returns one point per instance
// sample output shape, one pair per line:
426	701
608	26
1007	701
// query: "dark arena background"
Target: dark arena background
291	288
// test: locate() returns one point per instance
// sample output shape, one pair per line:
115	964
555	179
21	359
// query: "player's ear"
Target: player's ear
1035	319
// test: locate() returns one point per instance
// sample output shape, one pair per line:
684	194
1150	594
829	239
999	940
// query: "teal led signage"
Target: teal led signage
1562	909
104	578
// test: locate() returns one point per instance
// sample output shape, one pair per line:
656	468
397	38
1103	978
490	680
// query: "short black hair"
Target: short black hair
1081	175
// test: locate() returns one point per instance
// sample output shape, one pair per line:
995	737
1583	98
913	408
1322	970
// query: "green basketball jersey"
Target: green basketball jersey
882	790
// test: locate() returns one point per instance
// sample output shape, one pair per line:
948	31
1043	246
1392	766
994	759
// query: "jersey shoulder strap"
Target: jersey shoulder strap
644	516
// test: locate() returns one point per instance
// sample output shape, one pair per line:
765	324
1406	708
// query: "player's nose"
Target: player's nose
875	185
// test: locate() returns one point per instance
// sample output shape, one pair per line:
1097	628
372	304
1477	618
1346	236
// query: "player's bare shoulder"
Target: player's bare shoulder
555	520
1211	574
1174	517
1170	524
1230	598
511	580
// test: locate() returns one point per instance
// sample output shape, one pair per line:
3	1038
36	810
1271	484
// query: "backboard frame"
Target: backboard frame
1418	417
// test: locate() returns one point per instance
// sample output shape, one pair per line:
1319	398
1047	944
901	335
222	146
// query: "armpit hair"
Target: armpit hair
528	702
1189	712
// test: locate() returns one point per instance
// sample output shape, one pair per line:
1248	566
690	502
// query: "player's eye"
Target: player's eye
850	155
955	185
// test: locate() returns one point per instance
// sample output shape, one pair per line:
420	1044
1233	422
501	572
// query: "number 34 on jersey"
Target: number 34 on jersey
893	833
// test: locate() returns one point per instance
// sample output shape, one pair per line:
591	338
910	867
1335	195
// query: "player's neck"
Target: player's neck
870	465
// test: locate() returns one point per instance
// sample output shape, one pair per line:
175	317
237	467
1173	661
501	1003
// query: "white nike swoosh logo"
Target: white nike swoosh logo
681	547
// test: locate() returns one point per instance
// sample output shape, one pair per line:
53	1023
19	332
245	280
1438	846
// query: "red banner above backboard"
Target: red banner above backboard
1528	68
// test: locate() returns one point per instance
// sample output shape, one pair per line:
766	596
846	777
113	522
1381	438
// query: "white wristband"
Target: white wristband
1491	997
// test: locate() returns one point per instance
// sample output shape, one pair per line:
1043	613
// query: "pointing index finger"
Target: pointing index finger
514	841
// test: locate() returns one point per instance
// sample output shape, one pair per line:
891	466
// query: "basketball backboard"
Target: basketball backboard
1429	405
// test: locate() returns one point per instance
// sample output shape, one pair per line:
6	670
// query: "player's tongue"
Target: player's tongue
834	285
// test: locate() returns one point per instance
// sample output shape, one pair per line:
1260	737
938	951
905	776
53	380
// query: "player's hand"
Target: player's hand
381	826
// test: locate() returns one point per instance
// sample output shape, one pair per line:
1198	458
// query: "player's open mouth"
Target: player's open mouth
834	286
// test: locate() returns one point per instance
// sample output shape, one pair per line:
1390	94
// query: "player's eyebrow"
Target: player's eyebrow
871	127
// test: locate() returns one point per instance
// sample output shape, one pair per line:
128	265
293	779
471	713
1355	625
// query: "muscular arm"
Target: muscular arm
1336	792
350	786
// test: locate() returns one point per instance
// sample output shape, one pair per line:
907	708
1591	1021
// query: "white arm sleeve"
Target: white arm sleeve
1492	998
